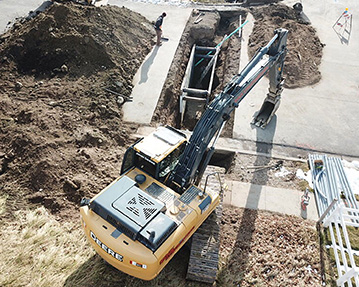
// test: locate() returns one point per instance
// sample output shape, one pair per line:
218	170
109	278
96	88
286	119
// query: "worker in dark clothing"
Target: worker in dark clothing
158	28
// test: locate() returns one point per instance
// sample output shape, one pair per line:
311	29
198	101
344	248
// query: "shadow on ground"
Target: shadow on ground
147	65
96	273
237	263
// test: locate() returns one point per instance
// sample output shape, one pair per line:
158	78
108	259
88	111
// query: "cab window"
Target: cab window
128	160
146	165
169	163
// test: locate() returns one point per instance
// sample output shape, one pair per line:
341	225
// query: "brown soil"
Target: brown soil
304	55
63	137
261	252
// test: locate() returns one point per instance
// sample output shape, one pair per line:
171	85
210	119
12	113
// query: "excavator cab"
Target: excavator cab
157	155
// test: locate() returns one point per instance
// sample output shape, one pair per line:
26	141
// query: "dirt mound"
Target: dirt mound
62	136
304	47
268	249
77	40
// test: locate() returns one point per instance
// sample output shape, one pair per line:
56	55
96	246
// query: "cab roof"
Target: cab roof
160	143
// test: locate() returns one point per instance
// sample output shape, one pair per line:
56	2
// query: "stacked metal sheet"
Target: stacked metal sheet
330	182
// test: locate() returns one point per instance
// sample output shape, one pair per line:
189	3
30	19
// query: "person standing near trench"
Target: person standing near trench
158	28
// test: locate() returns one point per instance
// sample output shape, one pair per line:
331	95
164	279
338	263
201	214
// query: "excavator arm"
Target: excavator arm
196	156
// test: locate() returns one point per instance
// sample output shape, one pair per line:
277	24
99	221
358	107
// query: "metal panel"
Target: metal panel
160	193
158	230
138	206
204	204
190	194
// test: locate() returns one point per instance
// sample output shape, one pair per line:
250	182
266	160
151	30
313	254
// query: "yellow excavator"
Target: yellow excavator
147	214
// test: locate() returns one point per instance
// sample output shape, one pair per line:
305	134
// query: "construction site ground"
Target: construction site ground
63	135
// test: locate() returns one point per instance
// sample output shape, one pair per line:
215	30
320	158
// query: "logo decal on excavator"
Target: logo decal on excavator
173	249
108	250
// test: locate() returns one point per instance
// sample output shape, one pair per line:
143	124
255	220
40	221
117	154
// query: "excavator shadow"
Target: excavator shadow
96	272
239	258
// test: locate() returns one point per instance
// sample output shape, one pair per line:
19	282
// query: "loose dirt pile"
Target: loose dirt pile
261	252
62	134
304	47
84	39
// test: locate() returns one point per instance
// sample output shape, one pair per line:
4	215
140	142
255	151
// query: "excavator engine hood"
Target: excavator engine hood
134	213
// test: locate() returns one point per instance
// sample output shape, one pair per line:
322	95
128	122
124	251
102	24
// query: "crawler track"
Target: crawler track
203	262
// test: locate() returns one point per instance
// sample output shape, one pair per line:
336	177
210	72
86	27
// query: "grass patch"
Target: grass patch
303	185
354	242
3	200
304	166
36	250
327	264
353	238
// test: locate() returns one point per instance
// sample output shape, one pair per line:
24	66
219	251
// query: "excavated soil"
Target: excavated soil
304	55
62	134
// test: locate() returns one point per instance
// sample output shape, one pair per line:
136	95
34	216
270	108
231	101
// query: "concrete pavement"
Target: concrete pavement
9	10
150	77
286	201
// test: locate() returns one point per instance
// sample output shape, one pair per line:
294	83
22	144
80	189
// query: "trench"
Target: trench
209	32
